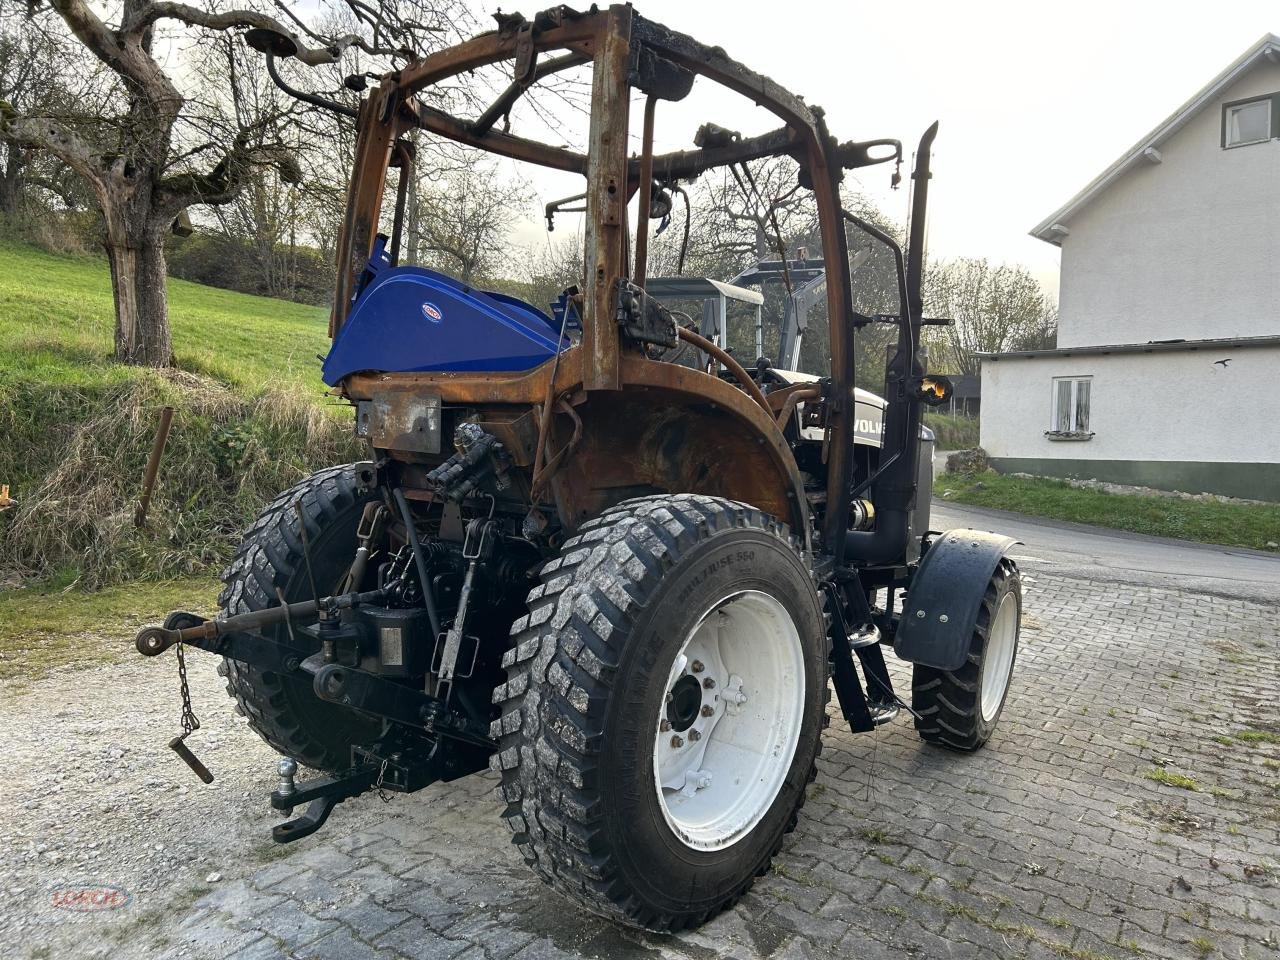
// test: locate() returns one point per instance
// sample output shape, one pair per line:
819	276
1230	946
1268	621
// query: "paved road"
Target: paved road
1127	808
1076	550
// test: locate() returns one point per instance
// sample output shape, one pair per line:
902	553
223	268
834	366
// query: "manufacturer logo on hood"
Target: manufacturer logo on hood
432	312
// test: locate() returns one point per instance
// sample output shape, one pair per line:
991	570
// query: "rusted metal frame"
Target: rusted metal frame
683	164
606	200
826	174
714	63
405	158
373	151
645	186
491	47
504	144
668	166
521	388
382	118
502	106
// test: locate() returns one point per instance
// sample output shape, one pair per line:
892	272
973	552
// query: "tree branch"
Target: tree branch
192	16
42	133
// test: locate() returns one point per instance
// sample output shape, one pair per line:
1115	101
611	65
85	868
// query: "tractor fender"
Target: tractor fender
941	609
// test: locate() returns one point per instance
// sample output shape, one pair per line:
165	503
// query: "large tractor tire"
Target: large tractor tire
959	709
284	710
663	709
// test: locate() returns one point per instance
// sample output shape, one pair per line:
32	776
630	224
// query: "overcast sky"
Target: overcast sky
1034	99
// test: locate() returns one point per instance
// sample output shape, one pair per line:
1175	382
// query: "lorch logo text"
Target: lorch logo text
433	312
91	897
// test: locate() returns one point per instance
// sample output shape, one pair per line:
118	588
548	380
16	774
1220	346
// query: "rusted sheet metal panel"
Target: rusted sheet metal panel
398	420
458	389
669	446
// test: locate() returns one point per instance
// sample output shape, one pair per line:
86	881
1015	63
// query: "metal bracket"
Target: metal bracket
321	796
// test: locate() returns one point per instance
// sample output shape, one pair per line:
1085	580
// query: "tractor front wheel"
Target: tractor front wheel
959	709
663	709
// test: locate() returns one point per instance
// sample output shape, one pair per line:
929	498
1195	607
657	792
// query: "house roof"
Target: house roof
1151	346
1052	228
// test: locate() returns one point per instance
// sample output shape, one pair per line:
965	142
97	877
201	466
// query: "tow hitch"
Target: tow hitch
423	739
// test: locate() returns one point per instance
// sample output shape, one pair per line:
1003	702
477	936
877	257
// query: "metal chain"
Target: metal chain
190	723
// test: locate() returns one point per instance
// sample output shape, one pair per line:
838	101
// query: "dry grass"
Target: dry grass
83	454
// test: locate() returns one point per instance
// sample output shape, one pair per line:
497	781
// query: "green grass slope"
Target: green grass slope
75	428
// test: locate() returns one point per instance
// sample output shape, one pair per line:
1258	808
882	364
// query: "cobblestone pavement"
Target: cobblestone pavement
1128	806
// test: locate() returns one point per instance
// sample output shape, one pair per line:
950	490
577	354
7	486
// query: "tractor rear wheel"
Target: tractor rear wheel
663	709
284	710
959	709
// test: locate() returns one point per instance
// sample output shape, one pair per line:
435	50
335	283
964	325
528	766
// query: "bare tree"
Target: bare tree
462	221
994	308
156	165
38	73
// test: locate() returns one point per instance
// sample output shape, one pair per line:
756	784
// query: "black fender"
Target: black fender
941	609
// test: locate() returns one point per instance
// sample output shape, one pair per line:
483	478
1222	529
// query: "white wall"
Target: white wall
1188	248
1147	406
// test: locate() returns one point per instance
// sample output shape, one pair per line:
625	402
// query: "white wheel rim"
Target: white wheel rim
730	721
1002	641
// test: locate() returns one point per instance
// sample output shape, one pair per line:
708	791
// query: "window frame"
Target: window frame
1074	427
1272	100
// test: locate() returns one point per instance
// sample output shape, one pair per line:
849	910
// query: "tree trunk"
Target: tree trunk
138	285
11	180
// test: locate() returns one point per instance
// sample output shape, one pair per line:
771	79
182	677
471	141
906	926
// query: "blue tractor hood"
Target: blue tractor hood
413	319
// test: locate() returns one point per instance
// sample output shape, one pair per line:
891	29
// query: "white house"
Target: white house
1167	369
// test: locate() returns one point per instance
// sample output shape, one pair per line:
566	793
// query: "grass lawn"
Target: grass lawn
1231	524
44	628
57	316
250	420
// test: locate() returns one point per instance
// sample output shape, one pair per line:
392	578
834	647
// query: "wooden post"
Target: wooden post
153	465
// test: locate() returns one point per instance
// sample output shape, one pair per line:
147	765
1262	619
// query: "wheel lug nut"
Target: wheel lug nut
677	741
708	683
697	666
708	710
664	726
695	735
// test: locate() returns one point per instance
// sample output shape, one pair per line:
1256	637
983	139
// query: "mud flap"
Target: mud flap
941	609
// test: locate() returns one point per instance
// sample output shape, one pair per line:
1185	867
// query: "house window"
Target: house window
1247	122
1070	405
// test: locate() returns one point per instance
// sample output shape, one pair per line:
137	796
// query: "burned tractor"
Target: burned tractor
590	549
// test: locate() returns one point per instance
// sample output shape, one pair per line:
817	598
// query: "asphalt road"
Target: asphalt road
1099	553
